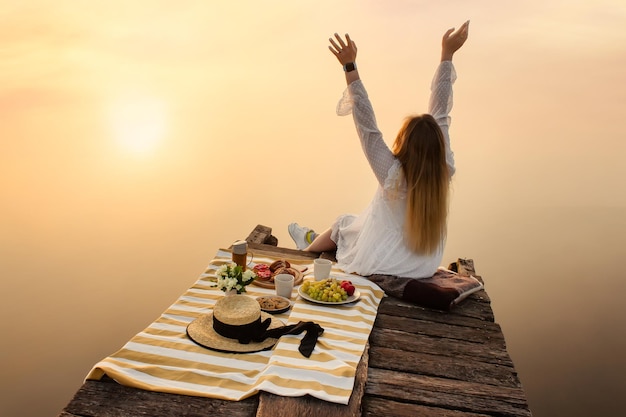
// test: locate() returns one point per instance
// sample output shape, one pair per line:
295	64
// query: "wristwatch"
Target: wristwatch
350	66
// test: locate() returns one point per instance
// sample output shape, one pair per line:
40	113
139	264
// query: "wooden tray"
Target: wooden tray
298	278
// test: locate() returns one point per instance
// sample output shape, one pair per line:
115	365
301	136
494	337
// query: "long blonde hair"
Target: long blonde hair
421	149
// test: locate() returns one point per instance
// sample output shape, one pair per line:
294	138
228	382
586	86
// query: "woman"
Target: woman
403	230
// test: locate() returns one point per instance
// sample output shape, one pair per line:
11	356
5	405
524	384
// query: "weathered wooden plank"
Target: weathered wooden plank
475	307
271	405
469	313
463	267
104	399
274	251
447	393
444	366
480	296
262	235
485	332
379	407
408	342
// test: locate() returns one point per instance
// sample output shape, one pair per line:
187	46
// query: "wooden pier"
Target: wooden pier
419	362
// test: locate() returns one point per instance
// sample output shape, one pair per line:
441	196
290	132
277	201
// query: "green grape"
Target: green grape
327	290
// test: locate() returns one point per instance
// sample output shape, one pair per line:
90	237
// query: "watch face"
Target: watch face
350	67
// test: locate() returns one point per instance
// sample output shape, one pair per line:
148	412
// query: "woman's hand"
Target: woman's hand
344	51
452	41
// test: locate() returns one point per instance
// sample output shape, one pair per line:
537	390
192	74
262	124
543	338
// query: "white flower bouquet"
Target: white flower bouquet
233	277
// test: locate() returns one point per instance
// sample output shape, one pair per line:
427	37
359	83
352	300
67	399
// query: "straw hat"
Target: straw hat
233	311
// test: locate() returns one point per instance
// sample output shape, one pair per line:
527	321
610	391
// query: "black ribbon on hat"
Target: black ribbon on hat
257	332
244	333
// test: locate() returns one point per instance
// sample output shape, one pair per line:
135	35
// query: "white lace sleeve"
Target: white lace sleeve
441	104
356	101
395	185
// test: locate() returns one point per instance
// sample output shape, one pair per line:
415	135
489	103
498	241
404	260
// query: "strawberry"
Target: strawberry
348	287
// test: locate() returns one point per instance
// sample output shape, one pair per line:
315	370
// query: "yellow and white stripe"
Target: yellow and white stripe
162	358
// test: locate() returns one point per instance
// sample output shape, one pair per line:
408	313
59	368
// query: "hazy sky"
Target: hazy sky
543	79
139	137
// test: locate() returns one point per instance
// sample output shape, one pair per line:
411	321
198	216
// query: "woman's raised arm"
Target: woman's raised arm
356	101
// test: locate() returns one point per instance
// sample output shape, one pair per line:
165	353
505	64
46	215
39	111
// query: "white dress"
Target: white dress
373	242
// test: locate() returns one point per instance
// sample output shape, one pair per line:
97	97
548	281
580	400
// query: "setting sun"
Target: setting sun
138	122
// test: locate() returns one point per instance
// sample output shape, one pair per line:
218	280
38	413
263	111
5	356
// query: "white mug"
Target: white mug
321	268
284	285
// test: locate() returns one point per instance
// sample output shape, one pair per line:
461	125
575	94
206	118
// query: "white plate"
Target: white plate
354	297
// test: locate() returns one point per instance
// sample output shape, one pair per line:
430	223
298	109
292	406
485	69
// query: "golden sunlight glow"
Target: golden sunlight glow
138	122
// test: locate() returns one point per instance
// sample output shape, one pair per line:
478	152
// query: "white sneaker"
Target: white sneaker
303	236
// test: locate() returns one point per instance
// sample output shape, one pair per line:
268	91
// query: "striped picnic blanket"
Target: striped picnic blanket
162	357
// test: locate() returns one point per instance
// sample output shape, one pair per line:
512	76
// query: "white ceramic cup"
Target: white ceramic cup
284	285
321	268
